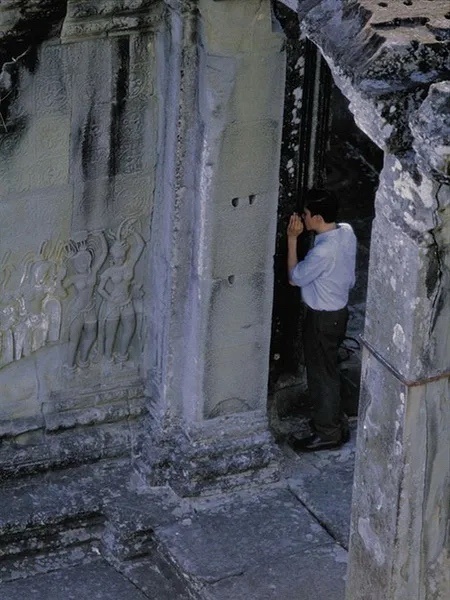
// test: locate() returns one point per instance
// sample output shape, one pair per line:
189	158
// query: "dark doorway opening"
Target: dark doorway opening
321	146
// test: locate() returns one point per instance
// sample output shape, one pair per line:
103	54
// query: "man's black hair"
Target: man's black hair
322	202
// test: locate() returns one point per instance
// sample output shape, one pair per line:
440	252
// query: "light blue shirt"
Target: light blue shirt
327	272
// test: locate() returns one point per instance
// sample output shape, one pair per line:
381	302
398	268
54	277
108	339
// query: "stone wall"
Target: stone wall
139	161
78	145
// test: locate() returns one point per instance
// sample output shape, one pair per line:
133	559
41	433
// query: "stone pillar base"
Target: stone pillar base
217	456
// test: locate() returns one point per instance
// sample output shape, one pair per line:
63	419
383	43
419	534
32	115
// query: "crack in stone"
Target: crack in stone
320	521
440	275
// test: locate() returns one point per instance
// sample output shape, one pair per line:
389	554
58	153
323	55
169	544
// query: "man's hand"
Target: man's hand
295	227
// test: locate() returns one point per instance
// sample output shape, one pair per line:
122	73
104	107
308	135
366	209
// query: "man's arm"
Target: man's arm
295	228
309	269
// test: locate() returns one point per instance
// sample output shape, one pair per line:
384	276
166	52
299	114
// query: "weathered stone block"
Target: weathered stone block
234	379
431	129
141	85
246	161
401	489
133	194
248	26
91	66
216	455
53	81
412	281
17	153
135	137
99	18
50	207
238	310
91	144
92	201
238	245
402	334
259	77
378	476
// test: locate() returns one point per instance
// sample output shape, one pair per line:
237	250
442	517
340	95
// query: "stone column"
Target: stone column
210	364
399	547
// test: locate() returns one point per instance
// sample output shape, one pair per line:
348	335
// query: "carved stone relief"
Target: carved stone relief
120	293
86	259
31	313
102	17
60	295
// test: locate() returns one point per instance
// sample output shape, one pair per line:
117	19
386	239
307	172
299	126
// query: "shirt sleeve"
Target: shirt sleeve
308	269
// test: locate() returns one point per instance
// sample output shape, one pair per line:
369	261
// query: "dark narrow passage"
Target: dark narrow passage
321	146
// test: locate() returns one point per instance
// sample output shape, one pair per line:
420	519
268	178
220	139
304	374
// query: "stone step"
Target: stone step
72	517
96	580
40	452
31	548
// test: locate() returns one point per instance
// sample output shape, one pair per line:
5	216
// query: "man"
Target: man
325	276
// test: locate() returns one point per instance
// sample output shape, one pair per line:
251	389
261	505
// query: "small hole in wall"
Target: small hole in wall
407	2
251	199
447	15
383	4
231	279
235	202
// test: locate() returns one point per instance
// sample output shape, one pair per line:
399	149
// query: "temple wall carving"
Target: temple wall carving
65	282
78	147
127	192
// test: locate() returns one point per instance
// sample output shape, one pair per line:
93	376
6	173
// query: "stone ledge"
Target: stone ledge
431	130
383	64
72	517
99	18
382	46
71	447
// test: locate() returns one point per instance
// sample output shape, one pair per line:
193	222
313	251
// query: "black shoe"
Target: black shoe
315	442
345	431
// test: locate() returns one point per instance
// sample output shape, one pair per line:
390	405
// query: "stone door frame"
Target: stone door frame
400	510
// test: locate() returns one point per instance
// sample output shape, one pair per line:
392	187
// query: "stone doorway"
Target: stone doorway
322	146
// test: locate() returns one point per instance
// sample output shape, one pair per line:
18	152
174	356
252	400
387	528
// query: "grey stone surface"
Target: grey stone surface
64	146
118	537
94	581
318	572
265	526
99	18
220	455
394	435
87	126
431	130
375	50
134	101
210	298
410	280
323	482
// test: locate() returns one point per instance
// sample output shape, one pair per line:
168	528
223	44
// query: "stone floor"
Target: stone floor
88	534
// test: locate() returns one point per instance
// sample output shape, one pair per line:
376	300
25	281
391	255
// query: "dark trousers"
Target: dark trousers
323	334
